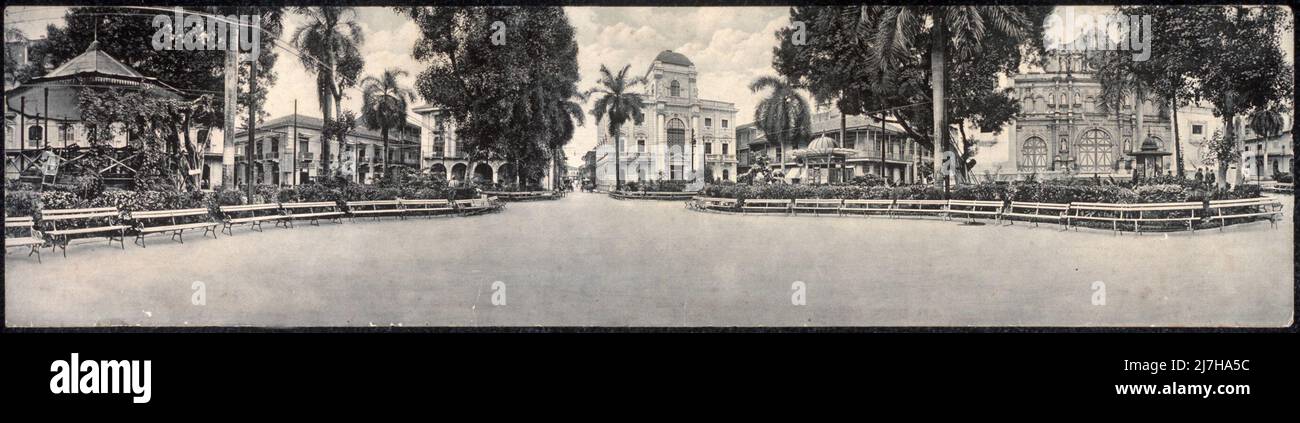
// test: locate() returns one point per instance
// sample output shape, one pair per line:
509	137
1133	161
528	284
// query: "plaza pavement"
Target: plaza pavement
591	260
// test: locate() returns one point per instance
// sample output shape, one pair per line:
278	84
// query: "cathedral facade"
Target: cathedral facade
683	137
1062	130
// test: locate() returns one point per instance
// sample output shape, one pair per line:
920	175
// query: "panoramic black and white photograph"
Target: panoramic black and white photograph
302	167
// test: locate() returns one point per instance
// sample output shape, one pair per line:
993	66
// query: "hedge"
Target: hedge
1041	192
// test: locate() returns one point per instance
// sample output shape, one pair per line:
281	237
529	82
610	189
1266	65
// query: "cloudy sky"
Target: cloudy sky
729	46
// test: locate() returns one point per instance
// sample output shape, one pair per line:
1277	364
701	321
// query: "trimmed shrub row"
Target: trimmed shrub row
1042	192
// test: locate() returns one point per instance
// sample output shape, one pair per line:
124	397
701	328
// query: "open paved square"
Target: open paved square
646	263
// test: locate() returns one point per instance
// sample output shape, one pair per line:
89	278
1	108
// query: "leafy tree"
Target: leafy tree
497	71
1243	68
384	105
618	101
329	48
159	128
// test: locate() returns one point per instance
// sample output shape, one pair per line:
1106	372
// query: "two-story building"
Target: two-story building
277	160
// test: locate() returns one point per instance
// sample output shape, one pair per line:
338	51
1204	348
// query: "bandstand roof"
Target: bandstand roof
94	68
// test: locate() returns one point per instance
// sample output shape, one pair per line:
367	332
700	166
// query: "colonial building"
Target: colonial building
1263	158
441	152
897	162
1061	130
683	137
278	161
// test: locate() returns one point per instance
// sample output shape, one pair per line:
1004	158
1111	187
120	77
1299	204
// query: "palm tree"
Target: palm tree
1266	123
619	103
384	105
962	28
564	114
330	38
783	115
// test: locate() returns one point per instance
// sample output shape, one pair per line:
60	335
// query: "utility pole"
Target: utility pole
252	120
294	157
231	104
45	122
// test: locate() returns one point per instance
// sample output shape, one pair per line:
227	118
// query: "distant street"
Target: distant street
591	260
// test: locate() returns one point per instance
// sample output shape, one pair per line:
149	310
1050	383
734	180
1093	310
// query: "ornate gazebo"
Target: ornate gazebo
1149	158
823	152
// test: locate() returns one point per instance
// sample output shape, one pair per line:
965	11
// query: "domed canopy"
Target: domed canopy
671	57
823	146
1150	147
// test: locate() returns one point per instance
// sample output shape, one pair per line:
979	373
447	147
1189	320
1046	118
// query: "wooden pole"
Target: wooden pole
252	129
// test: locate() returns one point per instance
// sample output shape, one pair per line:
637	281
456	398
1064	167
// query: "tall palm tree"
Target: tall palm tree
784	115
619	103
961	28
328	40
384	103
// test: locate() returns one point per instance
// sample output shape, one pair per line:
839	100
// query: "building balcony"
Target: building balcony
720	158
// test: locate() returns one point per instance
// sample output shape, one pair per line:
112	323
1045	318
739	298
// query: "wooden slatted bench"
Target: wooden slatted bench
428	207
312	211
714	203
32	239
816	205
972	208
765	205
1037	211
101	220
375	208
866	206
1164	212
939	207
253	215
1246	207
1102	212
174	221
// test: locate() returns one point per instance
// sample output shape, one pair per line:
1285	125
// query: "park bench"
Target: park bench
174	221
375	208
75	222
475	205
1101	212
816	205
866	206
429	207
253	215
939	207
1245	208
765	205
312	211
972	208
1281	188
32	239
1164	212
712	203
1036	211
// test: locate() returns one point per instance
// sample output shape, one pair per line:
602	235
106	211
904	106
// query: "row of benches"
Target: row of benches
1063	213
653	195
61	226
525	195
